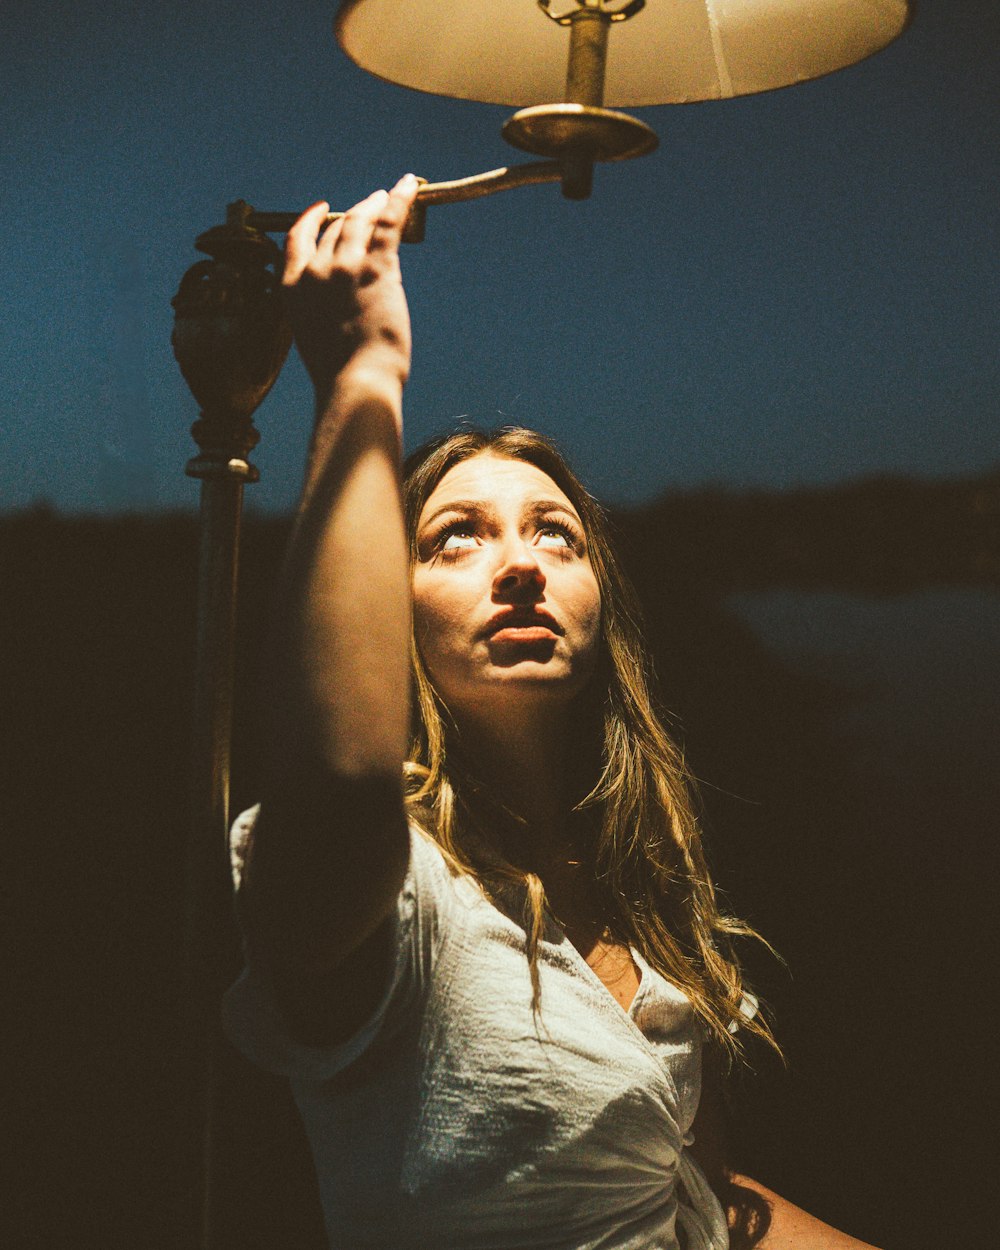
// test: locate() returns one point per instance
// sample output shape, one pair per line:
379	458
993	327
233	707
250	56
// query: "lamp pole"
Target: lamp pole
230	339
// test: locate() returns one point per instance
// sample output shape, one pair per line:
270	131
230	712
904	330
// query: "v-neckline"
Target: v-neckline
640	966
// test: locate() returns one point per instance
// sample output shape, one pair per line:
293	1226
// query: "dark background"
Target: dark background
848	819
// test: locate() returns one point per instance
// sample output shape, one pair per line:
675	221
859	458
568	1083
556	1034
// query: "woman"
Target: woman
494	989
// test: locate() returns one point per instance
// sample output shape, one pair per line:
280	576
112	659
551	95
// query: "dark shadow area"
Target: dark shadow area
875	884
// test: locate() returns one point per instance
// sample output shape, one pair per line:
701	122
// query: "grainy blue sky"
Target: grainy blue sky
796	288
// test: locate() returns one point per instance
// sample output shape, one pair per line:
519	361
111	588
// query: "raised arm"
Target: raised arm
329	851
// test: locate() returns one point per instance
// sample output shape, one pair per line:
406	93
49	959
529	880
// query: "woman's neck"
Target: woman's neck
527	764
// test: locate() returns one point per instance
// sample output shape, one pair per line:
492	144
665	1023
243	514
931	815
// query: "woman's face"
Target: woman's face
506	606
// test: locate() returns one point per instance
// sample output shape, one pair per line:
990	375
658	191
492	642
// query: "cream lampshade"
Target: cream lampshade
666	52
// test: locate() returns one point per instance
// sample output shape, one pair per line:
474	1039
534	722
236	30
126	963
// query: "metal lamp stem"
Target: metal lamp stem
588	55
230	339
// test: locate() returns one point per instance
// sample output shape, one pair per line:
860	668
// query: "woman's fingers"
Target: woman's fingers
300	243
356	228
375	224
389	226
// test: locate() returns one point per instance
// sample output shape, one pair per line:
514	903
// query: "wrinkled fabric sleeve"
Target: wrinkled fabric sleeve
250	1014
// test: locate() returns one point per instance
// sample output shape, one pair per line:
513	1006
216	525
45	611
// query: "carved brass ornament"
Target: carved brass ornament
603	7
230	338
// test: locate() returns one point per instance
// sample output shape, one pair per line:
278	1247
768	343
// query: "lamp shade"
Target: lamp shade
670	52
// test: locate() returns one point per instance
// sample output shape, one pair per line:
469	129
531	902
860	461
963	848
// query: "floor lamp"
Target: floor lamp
561	64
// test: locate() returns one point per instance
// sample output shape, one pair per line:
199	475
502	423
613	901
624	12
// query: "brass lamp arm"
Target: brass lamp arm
506	178
452	192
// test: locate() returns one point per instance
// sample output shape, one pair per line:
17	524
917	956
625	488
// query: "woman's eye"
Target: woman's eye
456	540
554	536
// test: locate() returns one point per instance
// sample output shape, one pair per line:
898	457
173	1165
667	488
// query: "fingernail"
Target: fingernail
408	180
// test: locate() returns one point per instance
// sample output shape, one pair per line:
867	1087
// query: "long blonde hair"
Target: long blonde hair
637	800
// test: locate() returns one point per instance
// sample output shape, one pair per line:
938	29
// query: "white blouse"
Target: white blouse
455	1119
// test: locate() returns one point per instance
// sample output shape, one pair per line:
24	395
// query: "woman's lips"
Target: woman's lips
518	625
524	633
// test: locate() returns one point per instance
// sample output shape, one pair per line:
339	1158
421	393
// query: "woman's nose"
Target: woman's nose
519	574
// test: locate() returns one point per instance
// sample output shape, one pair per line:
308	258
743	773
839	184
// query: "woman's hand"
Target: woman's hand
345	295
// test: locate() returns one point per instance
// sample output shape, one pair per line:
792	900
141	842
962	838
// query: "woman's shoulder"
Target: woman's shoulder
432	868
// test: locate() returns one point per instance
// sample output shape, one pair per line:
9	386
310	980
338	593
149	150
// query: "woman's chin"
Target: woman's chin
526	684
